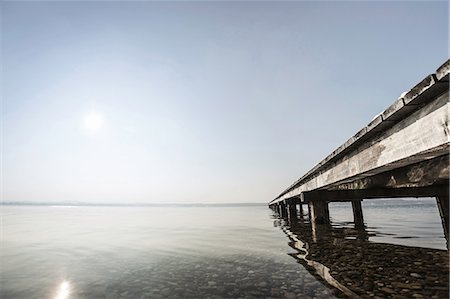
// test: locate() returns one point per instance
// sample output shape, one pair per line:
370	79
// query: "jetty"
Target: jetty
402	152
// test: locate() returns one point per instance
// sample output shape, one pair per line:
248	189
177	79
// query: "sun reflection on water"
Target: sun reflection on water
63	291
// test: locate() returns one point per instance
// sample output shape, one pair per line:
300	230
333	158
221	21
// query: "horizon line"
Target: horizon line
27	203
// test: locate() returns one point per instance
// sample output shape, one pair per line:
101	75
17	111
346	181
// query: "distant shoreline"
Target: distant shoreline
81	204
243	204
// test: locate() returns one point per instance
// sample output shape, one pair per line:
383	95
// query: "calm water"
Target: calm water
180	252
411	222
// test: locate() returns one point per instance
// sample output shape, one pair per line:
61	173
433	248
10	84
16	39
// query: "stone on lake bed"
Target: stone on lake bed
165	291
289	295
387	290
401	285
277	277
415	275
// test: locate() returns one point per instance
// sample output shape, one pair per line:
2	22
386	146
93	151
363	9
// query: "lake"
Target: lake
194	251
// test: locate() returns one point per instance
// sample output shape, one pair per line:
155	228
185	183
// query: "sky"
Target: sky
197	102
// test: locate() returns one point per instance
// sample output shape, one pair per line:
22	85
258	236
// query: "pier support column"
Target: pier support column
292	212
319	213
358	218
300	210
283	210
442	203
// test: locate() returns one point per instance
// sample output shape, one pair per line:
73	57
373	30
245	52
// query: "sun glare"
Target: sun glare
93	122
63	291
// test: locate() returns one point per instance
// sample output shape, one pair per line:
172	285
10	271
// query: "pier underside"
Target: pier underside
423	179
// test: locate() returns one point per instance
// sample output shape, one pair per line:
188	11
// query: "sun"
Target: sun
93	122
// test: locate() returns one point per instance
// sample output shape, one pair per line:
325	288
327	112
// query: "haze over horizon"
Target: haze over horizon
197	102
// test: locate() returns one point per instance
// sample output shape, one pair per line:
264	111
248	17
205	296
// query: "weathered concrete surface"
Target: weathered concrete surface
355	195
428	172
413	129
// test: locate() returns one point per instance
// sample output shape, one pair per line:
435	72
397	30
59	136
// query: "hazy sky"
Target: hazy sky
197	101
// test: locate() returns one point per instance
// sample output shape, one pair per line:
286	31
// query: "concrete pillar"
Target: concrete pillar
358	218
283	210
292	207
313	230
300	210
319	213
442	203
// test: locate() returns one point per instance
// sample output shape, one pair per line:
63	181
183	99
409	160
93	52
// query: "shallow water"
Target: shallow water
177	252
162	252
410	222
362	263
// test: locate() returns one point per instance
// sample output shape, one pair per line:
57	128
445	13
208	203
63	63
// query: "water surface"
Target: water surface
149	252
179	252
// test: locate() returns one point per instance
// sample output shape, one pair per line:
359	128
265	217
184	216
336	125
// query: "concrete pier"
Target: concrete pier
300	210
292	212
402	152
283	210
357	213
278	209
442	203
319	212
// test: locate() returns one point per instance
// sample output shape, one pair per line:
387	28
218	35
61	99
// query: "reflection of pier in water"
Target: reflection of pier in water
345	259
